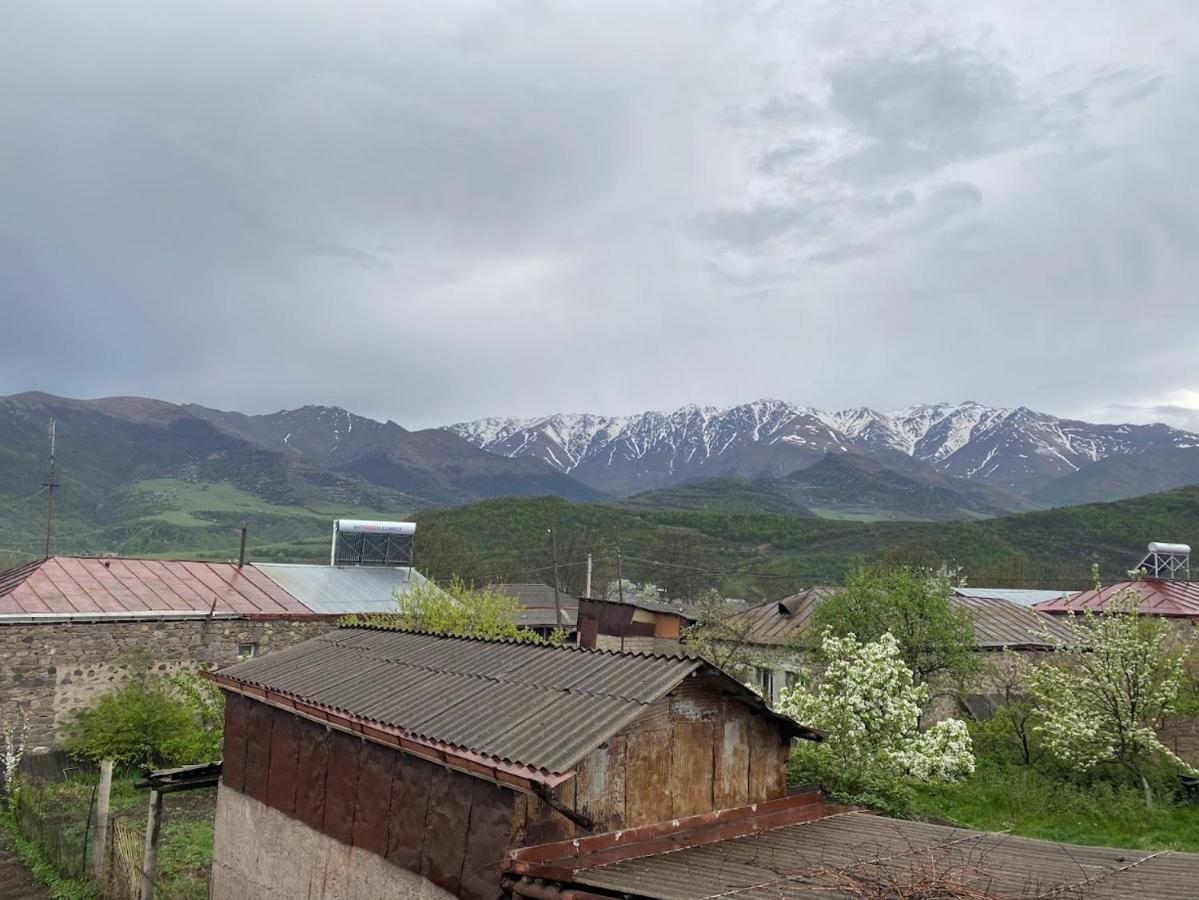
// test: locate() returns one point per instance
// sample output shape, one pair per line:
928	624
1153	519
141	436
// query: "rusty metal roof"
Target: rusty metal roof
1173	599
779	621
812	859
997	622
91	587
538	706
1000	623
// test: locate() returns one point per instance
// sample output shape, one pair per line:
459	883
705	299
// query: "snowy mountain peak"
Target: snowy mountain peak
1017	447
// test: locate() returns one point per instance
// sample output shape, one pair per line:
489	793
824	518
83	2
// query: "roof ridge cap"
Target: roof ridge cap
525	642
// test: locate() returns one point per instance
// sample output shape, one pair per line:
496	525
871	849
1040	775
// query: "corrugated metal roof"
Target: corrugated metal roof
779	621
533	705
338	590
997	622
1000	623
538	602
90	586
810	859
1175	599
1018	596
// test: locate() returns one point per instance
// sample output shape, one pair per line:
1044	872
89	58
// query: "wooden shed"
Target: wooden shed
632	625
405	764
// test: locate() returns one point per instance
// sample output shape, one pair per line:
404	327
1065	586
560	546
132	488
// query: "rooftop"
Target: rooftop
88	588
534	708
1019	596
803	848
1173	599
538	603
91	587
637	602
998	622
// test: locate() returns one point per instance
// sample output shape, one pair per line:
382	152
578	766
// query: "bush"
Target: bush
150	721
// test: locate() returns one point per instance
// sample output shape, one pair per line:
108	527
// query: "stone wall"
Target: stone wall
49	670
263	853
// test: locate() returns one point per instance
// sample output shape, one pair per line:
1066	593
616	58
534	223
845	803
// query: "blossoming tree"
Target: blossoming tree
869	706
1107	692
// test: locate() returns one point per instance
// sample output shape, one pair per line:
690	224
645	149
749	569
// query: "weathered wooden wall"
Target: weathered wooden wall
451	828
693	751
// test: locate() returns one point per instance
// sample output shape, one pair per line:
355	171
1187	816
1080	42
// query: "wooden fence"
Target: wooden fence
123	862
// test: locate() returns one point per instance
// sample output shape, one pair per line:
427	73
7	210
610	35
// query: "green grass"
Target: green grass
185	849
1032	803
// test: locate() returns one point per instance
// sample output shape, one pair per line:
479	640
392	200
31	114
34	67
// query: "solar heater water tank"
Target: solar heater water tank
369	542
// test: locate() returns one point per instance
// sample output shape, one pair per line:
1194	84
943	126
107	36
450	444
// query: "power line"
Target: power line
15	500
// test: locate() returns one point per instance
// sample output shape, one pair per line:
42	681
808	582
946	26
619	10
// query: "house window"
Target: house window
246	651
765	679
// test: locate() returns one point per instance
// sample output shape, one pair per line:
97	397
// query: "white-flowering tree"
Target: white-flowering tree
869	706
1107	692
14	749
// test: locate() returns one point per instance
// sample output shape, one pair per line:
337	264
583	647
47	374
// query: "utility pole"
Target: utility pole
50	484
241	554
619	587
587	594
557	583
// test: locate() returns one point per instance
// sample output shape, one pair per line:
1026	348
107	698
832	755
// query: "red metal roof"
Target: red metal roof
1174	599
75	585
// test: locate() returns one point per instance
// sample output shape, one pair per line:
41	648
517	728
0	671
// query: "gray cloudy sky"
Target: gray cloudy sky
435	211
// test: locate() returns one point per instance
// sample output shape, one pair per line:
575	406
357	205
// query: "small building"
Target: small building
71	627
633	624
1164	589
393	763
769	635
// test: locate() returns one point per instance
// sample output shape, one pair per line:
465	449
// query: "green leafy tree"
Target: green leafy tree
148	721
455	608
934	636
1109	690
868	705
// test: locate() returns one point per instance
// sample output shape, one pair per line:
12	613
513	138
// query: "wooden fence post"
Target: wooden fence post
99	846
150	861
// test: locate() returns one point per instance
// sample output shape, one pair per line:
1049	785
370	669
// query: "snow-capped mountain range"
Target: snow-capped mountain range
1016	449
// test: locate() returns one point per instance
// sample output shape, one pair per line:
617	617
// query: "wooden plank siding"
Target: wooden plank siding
693	751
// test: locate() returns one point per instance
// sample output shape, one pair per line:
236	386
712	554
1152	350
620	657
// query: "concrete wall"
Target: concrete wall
261	852
52	669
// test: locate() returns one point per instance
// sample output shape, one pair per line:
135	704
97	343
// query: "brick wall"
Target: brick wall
48	670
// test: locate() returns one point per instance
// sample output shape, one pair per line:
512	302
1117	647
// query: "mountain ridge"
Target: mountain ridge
1015	448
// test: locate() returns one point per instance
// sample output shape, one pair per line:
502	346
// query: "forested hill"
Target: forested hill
756	555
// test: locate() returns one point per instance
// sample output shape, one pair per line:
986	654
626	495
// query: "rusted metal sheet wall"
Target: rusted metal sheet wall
449	827
691	752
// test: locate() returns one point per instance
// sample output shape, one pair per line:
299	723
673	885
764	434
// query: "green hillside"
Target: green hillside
765	554
727	495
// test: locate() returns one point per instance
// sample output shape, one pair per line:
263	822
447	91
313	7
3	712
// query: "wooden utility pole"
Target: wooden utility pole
241	554
619	587
557	581
101	843
50	484
588	592
150	860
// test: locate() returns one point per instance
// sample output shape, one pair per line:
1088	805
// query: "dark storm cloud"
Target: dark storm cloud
431	212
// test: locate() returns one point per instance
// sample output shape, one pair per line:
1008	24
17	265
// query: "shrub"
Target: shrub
149	721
